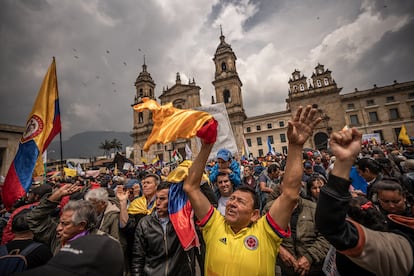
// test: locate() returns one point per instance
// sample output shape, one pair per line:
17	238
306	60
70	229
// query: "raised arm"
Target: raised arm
334	198
300	128
198	200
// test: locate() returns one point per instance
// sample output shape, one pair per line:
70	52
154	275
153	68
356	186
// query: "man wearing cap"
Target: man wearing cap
33	198
242	242
307	171
39	253
226	164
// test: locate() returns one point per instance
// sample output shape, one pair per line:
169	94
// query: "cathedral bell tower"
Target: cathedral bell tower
145	87
322	92
228	88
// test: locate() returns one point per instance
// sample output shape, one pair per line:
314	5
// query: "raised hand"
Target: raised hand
300	128
121	194
346	144
64	190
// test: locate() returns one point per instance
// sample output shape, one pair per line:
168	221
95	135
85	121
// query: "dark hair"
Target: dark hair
369	217
390	184
367	162
224	174
250	190
314	177
164	185
19	223
273	167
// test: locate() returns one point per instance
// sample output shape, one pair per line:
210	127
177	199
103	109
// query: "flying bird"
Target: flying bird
75	56
107	51
125	63
113	83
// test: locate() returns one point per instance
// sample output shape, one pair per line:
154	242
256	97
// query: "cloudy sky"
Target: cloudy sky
99	47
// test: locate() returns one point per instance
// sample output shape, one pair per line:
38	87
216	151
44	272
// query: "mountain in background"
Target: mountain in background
86	144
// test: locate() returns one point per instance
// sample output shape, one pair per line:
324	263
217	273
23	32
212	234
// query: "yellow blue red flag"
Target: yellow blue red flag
42	126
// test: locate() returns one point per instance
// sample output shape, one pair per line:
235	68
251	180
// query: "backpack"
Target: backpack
11	262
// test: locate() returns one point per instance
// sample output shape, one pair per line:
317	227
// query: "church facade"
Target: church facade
381	110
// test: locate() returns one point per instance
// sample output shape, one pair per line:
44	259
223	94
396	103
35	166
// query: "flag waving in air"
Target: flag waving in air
42	126
171	123
403	136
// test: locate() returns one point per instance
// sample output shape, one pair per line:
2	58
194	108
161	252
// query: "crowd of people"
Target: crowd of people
338	211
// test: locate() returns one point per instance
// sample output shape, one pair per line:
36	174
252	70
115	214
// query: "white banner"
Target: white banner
372	138
225	136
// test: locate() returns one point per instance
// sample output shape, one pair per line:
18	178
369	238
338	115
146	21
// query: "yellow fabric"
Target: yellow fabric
403	136
227	254
139	206
70	172
171	123
181	172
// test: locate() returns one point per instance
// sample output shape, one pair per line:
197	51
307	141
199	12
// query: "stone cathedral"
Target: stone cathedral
380	110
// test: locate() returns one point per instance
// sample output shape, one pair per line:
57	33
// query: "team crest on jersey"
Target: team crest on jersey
34	127
251	242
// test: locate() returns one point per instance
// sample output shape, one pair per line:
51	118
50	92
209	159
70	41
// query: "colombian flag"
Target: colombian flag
42	126
180	209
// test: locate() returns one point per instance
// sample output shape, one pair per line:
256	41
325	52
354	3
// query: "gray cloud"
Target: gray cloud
96	45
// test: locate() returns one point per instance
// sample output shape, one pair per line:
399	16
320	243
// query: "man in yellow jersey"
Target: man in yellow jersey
242	242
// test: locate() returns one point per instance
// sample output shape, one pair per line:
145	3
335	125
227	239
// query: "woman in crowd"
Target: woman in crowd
313	187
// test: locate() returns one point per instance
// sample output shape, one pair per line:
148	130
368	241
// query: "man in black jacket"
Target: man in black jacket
157	249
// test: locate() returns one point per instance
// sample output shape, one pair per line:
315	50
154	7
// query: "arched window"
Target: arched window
318	83
227	96
326	81
223	67
141	92
140	118
295	88
150	94
302	87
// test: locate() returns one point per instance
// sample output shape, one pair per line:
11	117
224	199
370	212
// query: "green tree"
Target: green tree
116	145
106	146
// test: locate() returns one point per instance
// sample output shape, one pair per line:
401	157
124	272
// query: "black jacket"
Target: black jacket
157	253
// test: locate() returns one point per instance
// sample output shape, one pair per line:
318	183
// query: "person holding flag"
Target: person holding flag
42	126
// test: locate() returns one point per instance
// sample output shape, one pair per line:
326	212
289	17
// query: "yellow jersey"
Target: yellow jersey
252	251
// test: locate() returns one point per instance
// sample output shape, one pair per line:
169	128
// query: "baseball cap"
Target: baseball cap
42	190
224	154
91	255
307	165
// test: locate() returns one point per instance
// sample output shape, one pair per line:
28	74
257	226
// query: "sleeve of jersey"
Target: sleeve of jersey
211	220
276	228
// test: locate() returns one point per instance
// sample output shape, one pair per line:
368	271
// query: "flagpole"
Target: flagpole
60	133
